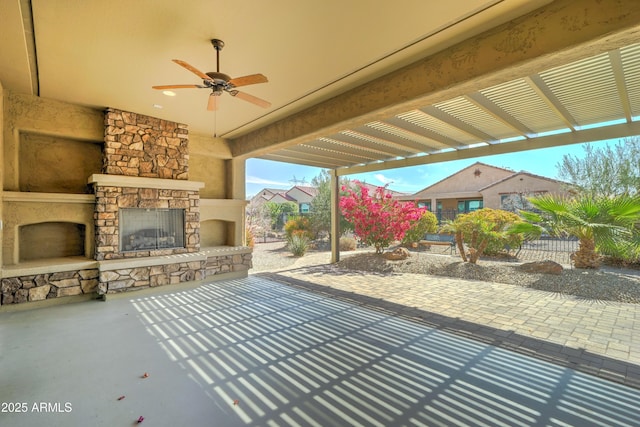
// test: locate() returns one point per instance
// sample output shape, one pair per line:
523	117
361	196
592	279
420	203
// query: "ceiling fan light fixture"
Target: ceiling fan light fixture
168	93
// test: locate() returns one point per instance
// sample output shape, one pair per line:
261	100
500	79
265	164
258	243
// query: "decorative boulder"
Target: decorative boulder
397	254
546	267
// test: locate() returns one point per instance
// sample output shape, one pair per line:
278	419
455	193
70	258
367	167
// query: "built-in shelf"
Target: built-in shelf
223	203
139	182
47	266
26	196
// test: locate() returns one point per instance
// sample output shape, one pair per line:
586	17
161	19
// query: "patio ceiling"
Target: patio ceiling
416	83
562	105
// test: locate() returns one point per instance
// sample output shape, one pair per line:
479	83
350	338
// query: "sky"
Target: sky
269	174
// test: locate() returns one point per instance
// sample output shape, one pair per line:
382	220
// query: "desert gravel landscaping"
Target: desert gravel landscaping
605	284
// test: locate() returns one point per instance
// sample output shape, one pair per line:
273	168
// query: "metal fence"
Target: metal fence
559	250
555	249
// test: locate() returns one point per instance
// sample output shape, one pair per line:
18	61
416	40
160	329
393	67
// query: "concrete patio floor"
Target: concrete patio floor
256	352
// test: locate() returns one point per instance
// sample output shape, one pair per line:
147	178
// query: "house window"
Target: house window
304	207
469	205
425	205
149	229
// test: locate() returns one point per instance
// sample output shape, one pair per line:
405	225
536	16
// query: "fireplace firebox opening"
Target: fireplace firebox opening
151	228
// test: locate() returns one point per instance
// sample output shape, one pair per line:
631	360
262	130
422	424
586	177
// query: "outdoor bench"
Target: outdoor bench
439	239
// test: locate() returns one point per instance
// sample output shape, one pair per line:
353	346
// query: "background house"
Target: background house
298	194
481	185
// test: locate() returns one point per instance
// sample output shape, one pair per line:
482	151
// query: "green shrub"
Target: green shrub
498	221
620	253
298	243
299	224
484	232
428	223
347	244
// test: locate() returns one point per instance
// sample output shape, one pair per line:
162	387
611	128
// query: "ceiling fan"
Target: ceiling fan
219	82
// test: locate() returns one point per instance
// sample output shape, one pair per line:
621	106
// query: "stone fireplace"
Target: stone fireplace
147	212
140	223
146	179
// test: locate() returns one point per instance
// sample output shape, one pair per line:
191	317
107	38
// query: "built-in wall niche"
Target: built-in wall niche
144	229
50	164
51	240
216	233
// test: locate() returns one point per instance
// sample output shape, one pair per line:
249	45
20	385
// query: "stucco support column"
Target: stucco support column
235	189
1	175
335	216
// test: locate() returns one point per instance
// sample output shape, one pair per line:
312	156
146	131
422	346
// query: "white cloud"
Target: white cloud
383	179
262	181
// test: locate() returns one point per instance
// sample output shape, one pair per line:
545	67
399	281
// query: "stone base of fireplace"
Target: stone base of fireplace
55	278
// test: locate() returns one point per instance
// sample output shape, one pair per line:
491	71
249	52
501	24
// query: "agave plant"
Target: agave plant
599	223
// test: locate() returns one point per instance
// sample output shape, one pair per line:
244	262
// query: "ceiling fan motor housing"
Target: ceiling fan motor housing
217	44
220	78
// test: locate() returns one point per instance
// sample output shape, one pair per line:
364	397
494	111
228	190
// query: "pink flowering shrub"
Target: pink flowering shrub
378	219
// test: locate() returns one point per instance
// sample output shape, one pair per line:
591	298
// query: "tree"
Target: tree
484	231
257	220
601	224
379	219
604	171
321	205
277	212
427	223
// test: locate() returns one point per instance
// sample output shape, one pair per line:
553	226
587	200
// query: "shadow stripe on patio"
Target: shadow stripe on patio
293	357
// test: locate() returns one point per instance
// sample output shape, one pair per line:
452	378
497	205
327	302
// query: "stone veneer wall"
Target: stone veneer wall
50	285
110	199
227	263
39	287
139	145
125	279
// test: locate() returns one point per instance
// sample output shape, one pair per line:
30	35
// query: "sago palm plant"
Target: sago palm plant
599	223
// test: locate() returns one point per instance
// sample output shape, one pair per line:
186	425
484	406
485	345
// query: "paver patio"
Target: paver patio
597	337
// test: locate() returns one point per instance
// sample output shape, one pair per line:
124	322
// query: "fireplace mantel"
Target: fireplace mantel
140	182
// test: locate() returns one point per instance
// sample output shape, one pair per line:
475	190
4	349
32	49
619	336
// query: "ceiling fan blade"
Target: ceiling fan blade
162	87
212	104
253	99
191	68
248	80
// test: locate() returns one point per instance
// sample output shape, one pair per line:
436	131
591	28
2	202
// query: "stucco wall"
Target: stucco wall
519	183
207	163
57	165
300	196
40	116
212	172
471	178
32	125
25	210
